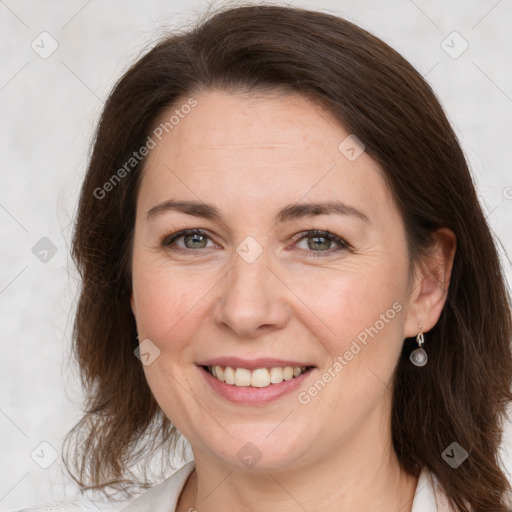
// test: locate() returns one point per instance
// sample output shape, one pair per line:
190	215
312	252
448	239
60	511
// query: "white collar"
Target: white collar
429	497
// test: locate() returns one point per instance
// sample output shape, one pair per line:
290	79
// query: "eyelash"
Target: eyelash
170	239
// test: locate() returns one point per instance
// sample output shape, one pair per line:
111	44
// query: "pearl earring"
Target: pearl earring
418	356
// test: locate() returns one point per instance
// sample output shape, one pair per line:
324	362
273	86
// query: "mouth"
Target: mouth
257	377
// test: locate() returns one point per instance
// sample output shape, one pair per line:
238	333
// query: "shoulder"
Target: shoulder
429	496
164	496
161	498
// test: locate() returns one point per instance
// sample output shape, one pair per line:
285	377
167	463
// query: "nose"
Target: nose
252	299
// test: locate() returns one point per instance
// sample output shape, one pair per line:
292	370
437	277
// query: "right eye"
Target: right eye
192	239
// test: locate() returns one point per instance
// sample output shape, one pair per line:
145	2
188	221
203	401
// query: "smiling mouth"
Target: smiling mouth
257	378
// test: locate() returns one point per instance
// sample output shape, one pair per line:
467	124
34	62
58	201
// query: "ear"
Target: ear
429	288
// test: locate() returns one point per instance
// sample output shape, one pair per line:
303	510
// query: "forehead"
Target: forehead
256	150
253	119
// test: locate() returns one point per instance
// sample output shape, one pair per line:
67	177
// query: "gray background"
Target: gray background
49	108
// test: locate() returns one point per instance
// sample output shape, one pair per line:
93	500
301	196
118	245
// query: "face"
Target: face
266	282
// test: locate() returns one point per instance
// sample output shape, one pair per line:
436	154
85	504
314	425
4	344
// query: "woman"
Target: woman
277	209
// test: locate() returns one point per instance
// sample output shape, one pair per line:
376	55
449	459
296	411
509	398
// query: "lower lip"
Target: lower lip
254	396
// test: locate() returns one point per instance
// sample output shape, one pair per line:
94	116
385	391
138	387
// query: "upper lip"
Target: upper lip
251	364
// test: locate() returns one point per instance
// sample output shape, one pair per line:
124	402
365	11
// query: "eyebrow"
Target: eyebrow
289	212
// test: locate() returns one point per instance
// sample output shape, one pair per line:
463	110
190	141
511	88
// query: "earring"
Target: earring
418	356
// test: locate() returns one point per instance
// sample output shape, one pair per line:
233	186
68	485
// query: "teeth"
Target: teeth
288	373
219	373
229	375
242	377
258	378
276	375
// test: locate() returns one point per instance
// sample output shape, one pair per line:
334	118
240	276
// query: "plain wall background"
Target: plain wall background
49	110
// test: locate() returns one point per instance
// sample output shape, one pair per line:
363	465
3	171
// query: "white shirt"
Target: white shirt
164	496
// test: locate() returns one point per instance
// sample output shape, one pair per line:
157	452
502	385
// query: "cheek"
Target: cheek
347	300
164	305
168	312
362	321
171	304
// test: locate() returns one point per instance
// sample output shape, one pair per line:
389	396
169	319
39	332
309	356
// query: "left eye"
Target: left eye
321	241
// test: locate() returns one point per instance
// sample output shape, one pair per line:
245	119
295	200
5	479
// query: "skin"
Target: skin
249	156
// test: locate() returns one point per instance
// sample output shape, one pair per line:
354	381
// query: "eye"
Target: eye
192	239
321	242
317	241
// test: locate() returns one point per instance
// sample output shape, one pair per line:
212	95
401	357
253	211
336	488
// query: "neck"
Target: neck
360	476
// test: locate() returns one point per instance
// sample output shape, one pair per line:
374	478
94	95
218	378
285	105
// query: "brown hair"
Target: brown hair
460	395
